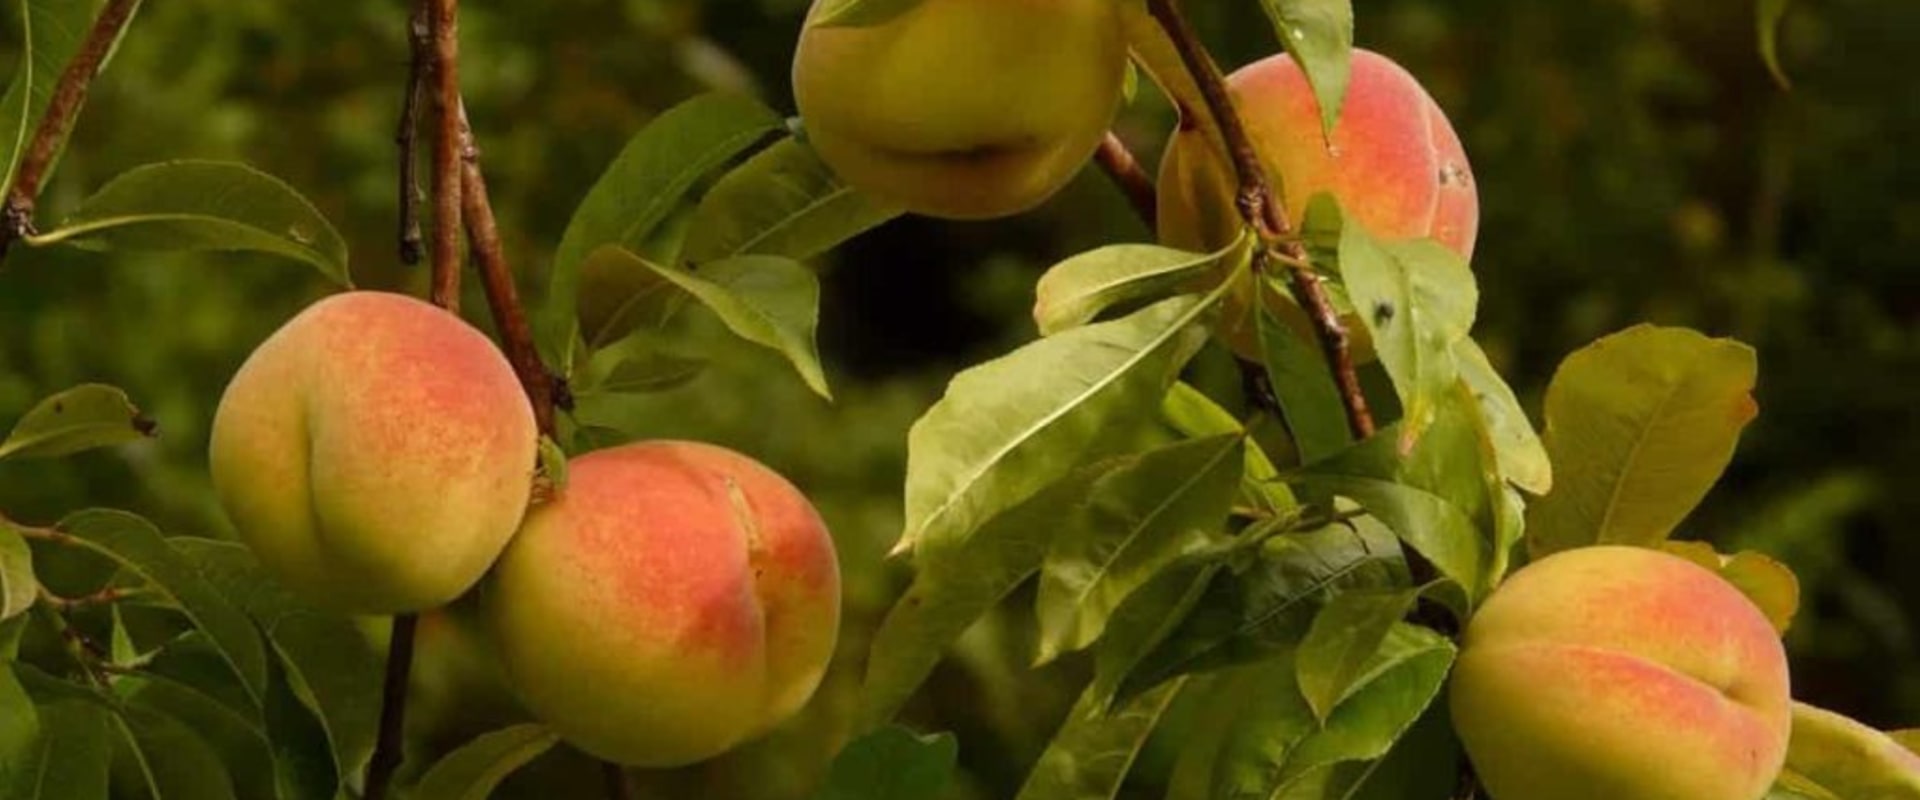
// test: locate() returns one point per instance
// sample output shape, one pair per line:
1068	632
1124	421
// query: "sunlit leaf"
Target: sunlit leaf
1319	35
640	189
204	206
1516	446
1770	584
1076	290
1092	752
18	587
784	201
82	418
472	772
1846	759
1013	425
1195	415
1345	635
892	763
1639	426
768	300
1137	520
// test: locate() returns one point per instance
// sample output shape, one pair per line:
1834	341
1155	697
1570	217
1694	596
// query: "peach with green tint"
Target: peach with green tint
676	600
376	453
1621	672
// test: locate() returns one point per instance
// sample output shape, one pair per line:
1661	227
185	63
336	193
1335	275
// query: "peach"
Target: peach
1614	672
676	600
1393	161
967	109
376	453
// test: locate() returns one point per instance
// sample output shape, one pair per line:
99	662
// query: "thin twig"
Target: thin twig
103	597
483	236
1265	211
446	154
1126	172
420	47
393	707
16	216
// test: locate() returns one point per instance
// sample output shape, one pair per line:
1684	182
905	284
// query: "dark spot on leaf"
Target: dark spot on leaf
1382	314
143	424
59	407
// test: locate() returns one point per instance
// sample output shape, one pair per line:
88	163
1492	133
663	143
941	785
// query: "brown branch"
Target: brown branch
69	95
1266	212
616	779
420	48
483	234
105	596
1126	172
446	154
393	708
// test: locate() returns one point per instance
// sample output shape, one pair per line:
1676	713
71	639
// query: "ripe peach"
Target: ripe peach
376	453
676	600
1394	162
967	109
1613	672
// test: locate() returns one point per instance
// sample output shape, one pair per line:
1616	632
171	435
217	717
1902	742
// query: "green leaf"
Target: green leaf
859	13
620	293
237	741
1768	19
472	772
1845	759
167	759
892	763
1011	426
652	371
1639	426
1275	747
1768	583
1093	750
1256	612
784	201
82	418
1195	415
956	581
768	300
1319	35
19	734
1137	520
553	463
1152	613
52	34
135	545
1345	635
1309	400
324	662
70	759
1517	448
640	189
18	586
1437	529
1076	290
1417	298
306	766
197	206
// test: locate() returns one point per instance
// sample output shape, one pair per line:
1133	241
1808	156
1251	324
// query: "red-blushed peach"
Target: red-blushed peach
967	109
1621	672
674	601
376	453
1393	161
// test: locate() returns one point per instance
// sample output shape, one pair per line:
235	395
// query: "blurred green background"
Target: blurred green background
1635	162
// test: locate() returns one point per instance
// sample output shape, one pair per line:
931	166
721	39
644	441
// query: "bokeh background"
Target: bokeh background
1635	162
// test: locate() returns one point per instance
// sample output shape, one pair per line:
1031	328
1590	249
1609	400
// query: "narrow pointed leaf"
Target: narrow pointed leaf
649	178
18	587
70	759
51	33
1092	752
1522	457
472	772
1009	427
1309	400
1345	635
784	201
168	759
192	206
19	736
1639	426
1076	290
1138	519
82	418
1844	758
1319	35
